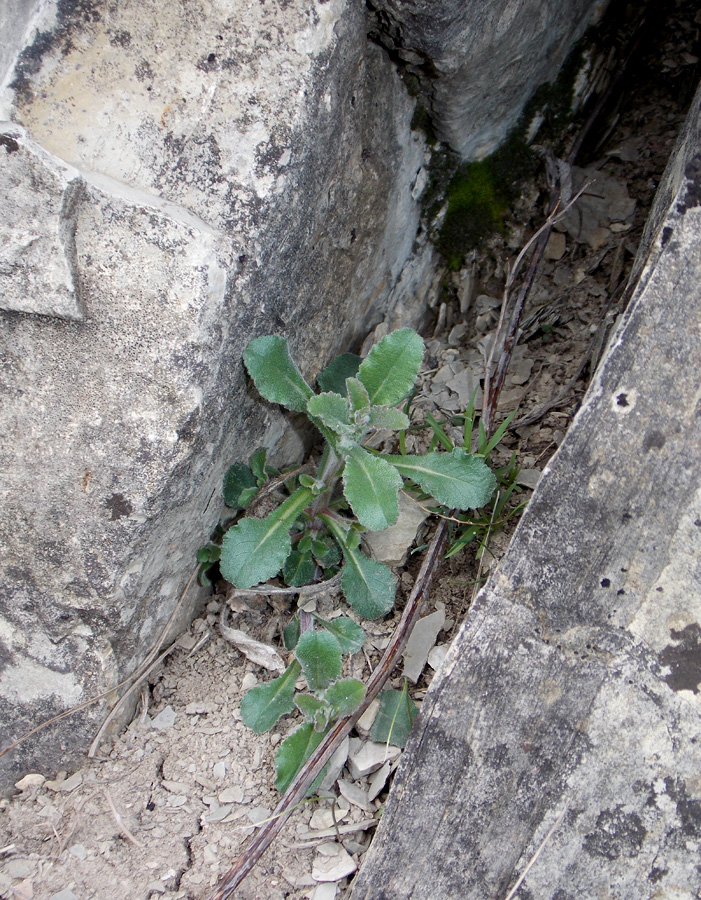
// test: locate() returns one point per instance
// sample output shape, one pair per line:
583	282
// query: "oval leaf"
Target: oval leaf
298	569
319	654
371	486
391	367
333	378
394	718
456	479
357	394
344	697
293	753
263	705
332	409
255	549
238	478
350	636
388	417
275	373
368	586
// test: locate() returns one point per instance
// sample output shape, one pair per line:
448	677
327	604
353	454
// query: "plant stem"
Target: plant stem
312	767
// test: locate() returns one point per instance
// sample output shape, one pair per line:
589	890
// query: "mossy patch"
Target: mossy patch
479	196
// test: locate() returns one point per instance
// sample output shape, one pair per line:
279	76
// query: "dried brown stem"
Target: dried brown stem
309	771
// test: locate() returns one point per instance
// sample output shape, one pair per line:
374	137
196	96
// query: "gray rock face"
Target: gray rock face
37	231
479	63
563	728
171	186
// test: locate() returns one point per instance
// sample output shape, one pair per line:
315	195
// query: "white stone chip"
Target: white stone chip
366	721
335	765
422	640
30	781
370	757
354	794
233	794
333	867
437	656
165	719
378	780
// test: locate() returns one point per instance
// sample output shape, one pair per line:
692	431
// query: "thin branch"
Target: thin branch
309	771
120	822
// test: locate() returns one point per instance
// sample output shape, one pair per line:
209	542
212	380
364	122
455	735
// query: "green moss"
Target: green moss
479	195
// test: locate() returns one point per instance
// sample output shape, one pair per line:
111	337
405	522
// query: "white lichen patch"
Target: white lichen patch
28	681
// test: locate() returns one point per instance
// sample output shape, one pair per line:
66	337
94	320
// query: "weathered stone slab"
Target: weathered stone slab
218	172
477	64
37	229
563	728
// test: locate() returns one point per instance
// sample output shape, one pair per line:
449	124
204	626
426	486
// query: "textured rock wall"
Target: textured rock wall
560	740
172	185
478	64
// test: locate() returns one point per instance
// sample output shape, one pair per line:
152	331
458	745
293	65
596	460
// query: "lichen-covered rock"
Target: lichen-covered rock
477	64
560	740
194	178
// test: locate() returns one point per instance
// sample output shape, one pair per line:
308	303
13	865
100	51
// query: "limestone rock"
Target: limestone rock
477	64
562	730
199	179
37	229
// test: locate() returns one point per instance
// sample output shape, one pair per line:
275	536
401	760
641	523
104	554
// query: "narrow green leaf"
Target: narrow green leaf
357	394
349	635
275	373
237	479
368	586
263	705
387	417
298	569
319	654
332	409
394	718
391	367
456	479
293	753
344	696
255	549
333	377
291	633
371	486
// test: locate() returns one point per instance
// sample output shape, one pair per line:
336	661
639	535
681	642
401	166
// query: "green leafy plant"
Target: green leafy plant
315	528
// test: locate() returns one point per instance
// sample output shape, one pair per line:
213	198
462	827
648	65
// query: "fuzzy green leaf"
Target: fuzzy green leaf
344	696
238	478
319	654
457	479
298	569
368	586
258	467
255	549
350	636
333	378
371	486
391	367
316	711
293	752
394	718
387	417
263	705
291	633
357	394
332	409
275	373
